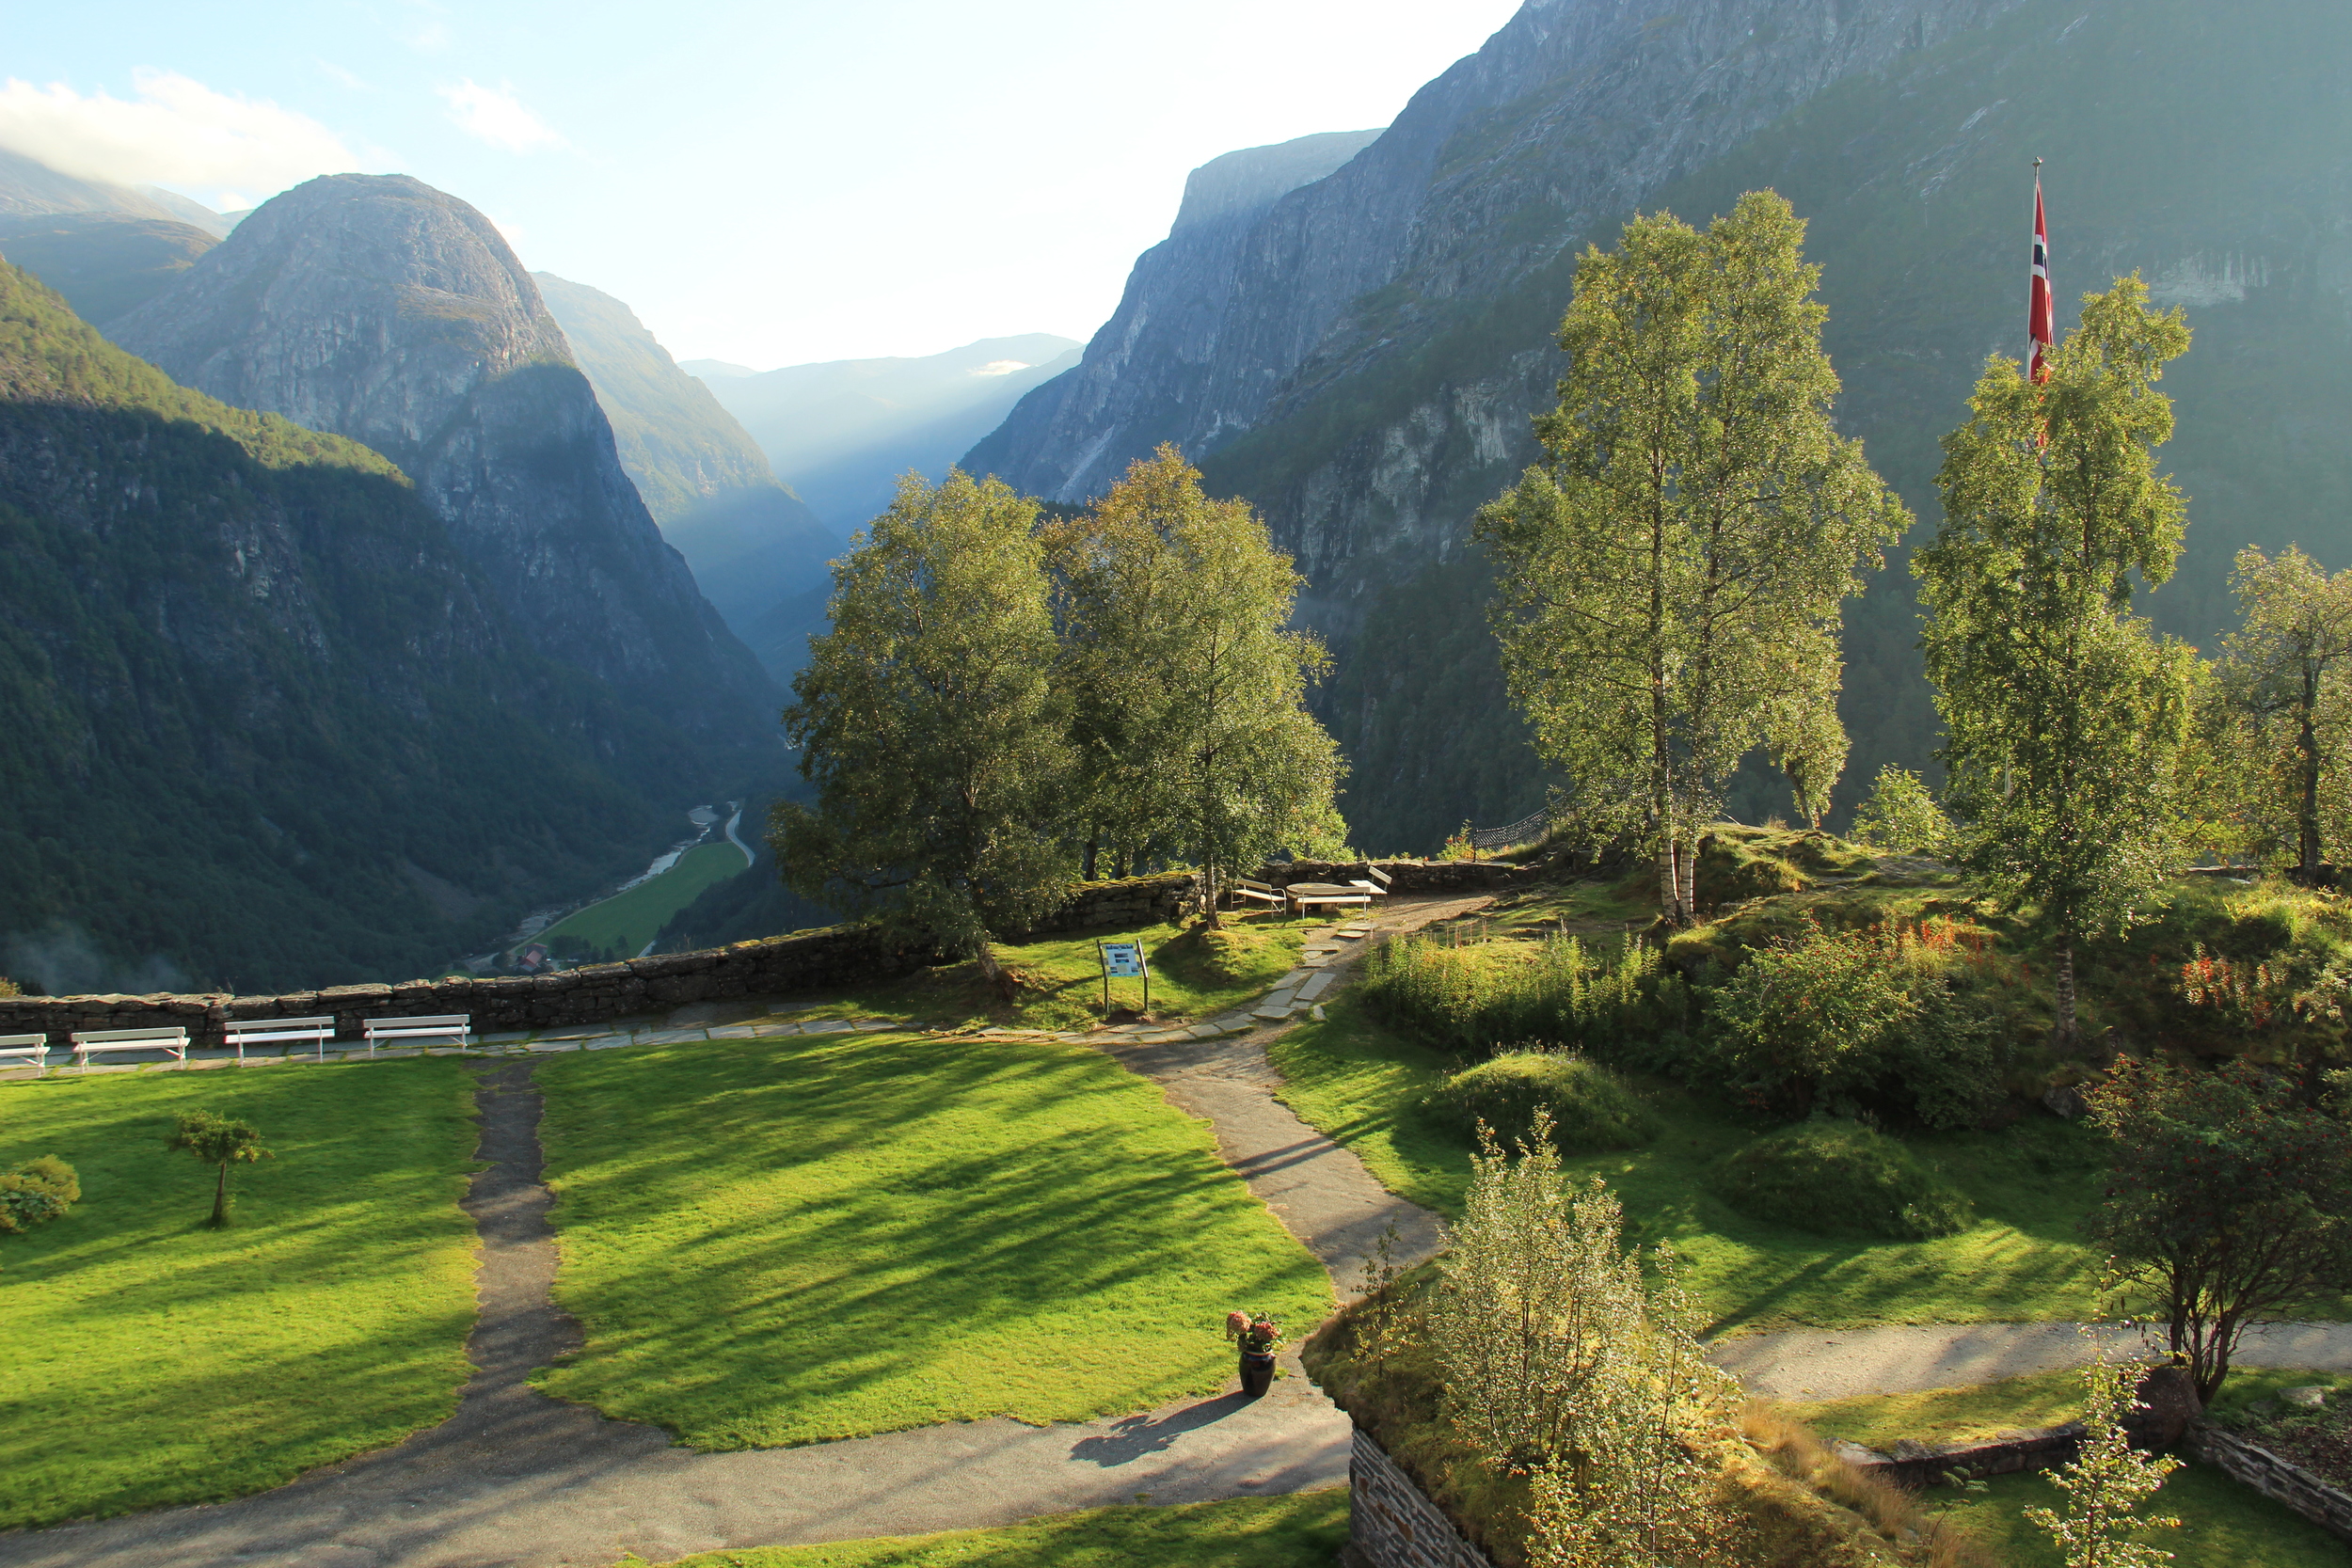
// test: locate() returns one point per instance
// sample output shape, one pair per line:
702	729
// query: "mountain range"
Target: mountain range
1360	353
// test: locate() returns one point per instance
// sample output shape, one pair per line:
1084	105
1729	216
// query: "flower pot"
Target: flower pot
1257	1373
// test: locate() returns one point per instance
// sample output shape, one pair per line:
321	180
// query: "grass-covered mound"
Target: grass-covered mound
1592	1108
789	1241
1305	1530
1364	1085
1840	1178
146	1360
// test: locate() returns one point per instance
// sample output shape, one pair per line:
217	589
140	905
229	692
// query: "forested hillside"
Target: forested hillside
259	727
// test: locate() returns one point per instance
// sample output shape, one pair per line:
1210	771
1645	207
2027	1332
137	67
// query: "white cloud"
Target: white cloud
178	132
1001	367
495	115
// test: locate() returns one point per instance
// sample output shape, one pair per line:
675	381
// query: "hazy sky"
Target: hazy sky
769	183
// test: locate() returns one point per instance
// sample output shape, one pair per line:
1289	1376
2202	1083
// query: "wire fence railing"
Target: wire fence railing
1524	831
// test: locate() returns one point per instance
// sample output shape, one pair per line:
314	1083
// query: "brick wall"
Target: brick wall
2329	1507
1390	1521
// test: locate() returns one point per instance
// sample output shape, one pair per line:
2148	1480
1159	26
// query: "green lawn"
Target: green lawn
2222	1522
1303	1530
789	1241
1358	1083
621	926
146	1360
1194	974
1963	1415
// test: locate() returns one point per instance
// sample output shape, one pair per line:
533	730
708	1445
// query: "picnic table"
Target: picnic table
1302	895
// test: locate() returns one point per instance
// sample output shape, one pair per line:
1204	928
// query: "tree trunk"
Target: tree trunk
1669	878
2307	813
998	978
1208	892
1687	891
221	1200
1092	839
2062	983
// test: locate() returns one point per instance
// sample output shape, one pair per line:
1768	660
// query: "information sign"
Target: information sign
1124	961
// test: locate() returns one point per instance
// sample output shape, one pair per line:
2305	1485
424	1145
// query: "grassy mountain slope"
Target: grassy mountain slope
257	724
103	263
2203	147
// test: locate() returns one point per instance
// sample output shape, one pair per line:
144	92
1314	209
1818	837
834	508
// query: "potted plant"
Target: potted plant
1258	1337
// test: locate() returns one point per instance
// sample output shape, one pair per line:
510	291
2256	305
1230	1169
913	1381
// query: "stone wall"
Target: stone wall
1132	901
1390	1521
2281	1480
1917	1464
833	958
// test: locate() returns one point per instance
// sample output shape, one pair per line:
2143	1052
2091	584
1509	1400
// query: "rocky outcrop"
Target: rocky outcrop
379	308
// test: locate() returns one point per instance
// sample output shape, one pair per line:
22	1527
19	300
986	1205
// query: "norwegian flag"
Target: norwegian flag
2038	311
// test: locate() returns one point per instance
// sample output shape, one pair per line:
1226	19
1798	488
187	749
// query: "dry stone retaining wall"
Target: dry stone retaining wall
1404	875
830	958
2281	1480
1390	1521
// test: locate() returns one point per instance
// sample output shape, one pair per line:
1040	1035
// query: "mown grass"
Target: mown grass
1303	1530
2222	1521
1963	1415
146	1360
1361	1084
621	926
795	1239
1194	974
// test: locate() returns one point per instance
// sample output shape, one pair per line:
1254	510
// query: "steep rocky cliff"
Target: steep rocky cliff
751	542
1398	313
1151	374
379	308
261	724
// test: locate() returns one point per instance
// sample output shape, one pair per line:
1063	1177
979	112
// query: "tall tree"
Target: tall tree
1671	571
1191	687
2064	716
2282	683
928	722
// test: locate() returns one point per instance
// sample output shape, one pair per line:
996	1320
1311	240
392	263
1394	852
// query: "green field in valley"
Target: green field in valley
621	926
146	1360
786	1240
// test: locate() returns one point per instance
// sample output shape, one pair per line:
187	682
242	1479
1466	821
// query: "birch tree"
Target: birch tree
2064	715
2284	693
928	722
1671	573
1175	610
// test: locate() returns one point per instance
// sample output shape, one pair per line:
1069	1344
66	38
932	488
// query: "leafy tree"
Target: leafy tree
2283	681
2226	1202
1563	1364
1671	573
217	1140
1189	691
2064	716
2107	1481
928	722
1901	814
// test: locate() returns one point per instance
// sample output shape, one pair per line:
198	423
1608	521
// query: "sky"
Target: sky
766	184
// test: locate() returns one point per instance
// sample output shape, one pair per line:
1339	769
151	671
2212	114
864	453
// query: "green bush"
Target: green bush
1592	1108
1476	998
1838	1019
36	1193
1839	1178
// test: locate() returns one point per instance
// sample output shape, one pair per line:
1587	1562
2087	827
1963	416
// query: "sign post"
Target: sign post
1124	961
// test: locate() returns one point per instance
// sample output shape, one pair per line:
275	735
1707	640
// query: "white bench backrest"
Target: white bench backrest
23	1045
146	1038
251	1028
438	1022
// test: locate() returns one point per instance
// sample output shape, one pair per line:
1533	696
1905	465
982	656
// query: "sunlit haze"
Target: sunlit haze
765	184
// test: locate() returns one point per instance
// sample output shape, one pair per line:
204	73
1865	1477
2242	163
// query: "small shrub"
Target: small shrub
1460	847
1840	1178
1900	815
36	1193
9	988
1477	998
1591	1107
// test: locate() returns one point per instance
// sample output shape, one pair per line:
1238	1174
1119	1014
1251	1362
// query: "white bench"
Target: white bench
1242	887
1305	901
1378	887
454	1027
172	1042
33	1048
279	1031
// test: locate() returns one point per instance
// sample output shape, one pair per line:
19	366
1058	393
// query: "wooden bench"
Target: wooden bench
278	1030
1307	896
1242	887
172	1042
1378	887
32	1048
454	1027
